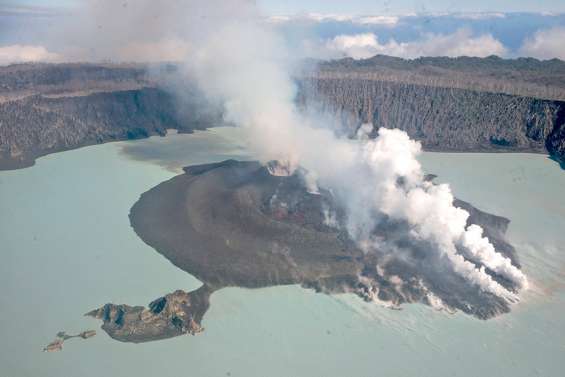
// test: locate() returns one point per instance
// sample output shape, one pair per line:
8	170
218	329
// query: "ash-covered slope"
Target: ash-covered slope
235	224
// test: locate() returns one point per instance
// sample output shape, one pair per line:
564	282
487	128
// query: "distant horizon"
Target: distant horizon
409	6
37	30
42	9
143	63
354	7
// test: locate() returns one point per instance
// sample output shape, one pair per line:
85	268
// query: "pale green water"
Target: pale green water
67	247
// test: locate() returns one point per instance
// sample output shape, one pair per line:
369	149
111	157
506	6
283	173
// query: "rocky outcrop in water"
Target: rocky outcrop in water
57	344
175	314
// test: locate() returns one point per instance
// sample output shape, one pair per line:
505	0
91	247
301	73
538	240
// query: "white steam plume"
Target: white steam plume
428	208
244	63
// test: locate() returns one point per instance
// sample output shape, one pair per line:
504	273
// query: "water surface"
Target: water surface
67	247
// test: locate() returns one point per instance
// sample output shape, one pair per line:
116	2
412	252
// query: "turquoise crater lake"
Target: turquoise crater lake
67	247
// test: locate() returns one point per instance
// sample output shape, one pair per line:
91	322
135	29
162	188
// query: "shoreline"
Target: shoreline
8	164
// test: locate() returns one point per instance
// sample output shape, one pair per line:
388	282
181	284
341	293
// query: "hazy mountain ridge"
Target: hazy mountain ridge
70	79
526	77
38	125
462	104
443	119
45	108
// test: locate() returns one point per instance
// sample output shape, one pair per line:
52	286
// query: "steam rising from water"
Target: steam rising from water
245	64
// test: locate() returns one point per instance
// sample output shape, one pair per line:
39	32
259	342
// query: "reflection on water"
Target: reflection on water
178	150
67	247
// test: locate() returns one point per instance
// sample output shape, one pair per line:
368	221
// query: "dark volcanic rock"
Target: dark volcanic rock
555	143
235	224
175	314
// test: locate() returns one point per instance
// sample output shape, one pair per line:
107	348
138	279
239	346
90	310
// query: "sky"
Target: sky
38	30
408	6
274	7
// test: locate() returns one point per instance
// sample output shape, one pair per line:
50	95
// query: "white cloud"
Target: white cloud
460	43
358	46
479	15
279	19
382	20
545	44
378	20
25	53
321	17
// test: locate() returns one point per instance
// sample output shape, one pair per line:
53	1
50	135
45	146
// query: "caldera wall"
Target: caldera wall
443	119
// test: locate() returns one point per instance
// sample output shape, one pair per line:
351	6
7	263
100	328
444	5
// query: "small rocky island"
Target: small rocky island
57	344
174	314
236	224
